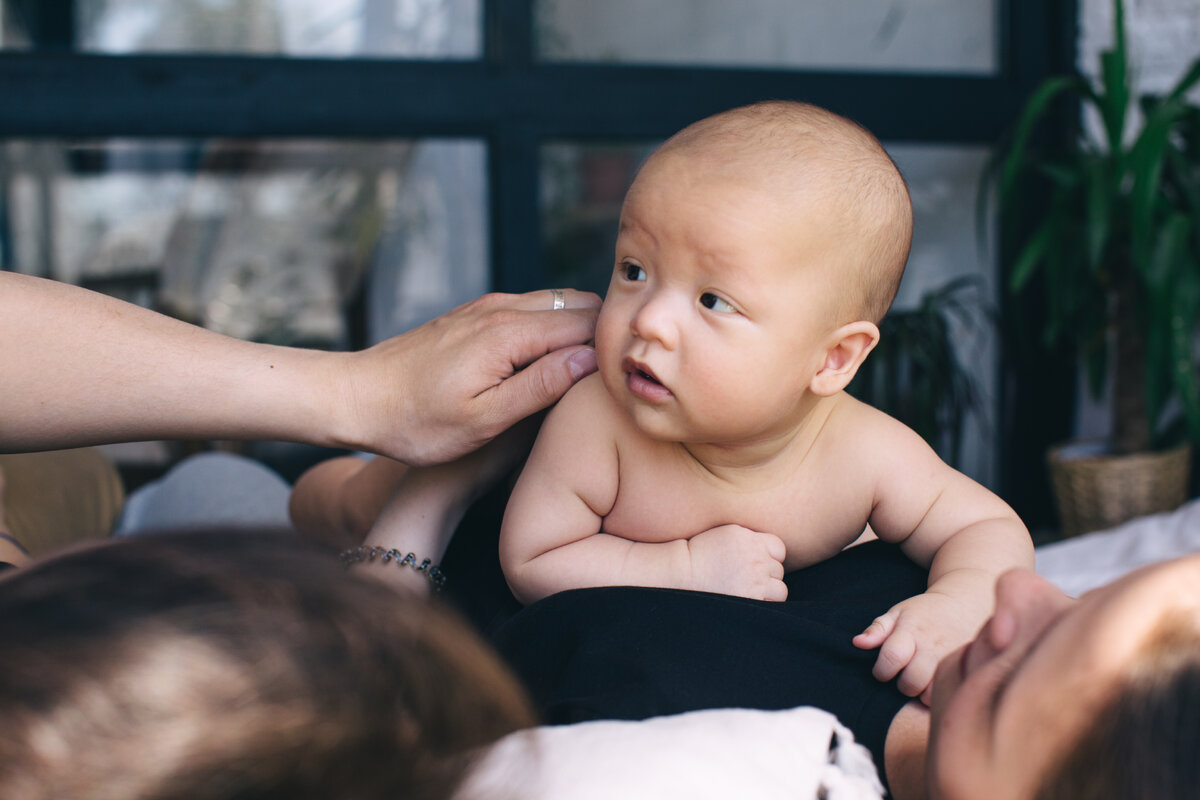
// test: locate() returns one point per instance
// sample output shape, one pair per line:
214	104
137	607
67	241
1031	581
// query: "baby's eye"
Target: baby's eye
634	273
710	300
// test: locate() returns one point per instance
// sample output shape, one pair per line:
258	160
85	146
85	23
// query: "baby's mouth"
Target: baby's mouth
642	372
648	376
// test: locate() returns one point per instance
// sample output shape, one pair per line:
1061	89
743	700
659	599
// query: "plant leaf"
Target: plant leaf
1146	161
1113	102
1017	153
1189	79
1031	256
1183	329
1098	201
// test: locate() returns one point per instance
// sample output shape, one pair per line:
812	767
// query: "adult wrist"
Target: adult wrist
384	557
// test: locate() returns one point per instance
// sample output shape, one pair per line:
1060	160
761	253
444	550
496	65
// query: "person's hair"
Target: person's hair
236	665
787	141
1143	743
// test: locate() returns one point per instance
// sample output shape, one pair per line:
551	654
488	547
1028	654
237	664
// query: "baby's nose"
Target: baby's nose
656	321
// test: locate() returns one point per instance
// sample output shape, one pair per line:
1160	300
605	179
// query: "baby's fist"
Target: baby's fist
731	559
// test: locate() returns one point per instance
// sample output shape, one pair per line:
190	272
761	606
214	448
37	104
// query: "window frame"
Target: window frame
514	103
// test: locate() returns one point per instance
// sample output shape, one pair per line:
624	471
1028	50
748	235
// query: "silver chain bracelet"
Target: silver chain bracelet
357	555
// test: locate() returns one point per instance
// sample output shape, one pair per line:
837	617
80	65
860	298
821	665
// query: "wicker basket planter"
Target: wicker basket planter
1095	490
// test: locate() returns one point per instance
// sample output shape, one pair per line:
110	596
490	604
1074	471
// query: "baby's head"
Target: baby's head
805	159
757	251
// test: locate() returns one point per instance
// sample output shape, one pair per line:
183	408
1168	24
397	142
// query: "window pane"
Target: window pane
312	28
264	240
582	188
944	36
943	182
14	31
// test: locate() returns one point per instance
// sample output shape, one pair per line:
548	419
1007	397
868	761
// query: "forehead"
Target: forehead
714	200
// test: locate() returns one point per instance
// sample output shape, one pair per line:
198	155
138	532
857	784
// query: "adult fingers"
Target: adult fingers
541	383
535	334
546	300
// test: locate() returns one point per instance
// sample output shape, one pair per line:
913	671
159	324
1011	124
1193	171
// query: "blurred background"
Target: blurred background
328	173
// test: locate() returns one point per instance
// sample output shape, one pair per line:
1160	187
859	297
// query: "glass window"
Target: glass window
942	36
262	240
310	28
582	187
14	32
943	181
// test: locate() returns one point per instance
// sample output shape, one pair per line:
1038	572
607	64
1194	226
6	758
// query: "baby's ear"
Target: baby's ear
848	348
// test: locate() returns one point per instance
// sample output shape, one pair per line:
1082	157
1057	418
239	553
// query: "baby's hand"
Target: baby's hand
730	559
913	636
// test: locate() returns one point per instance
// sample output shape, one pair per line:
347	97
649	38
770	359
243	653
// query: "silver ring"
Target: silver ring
560	299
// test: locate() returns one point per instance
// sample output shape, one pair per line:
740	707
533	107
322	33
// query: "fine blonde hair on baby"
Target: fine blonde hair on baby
794	145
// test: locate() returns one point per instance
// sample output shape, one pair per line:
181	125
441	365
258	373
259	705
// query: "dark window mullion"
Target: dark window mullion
514	173
50	23
513	149
508	33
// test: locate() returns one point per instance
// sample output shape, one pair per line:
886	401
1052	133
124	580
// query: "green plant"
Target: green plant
1117	250
915	374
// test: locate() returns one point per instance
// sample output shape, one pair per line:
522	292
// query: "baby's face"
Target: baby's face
719	310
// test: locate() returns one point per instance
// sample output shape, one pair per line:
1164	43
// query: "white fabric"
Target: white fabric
1094	559
719	754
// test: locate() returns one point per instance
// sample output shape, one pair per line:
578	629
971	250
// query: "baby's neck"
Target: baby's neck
751	460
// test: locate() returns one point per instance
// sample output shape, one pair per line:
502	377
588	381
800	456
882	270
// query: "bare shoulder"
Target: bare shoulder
588	396
870	436
586	401
582	426
889	462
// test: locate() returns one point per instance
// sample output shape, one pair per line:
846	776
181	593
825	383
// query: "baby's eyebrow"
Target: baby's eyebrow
629	224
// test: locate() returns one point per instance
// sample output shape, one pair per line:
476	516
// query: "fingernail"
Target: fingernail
582	363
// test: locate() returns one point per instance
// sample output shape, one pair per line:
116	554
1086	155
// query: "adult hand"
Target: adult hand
446	388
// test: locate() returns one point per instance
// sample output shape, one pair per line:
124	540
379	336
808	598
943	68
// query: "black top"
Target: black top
631	653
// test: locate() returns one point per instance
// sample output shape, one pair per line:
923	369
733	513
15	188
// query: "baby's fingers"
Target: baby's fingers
776	549
917	678
776	591
894	655
876	632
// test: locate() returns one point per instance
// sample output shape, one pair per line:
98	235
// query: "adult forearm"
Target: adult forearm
338	500
82	368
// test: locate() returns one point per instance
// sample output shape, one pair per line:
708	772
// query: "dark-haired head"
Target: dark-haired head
228	664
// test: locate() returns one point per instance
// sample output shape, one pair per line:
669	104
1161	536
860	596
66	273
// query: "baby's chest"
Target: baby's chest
661	504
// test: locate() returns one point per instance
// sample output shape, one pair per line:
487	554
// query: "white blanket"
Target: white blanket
719	754
1085	562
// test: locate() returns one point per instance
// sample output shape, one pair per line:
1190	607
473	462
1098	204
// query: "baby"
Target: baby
716	447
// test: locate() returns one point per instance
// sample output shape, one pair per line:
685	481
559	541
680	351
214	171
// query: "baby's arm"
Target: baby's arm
552	540
965	534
